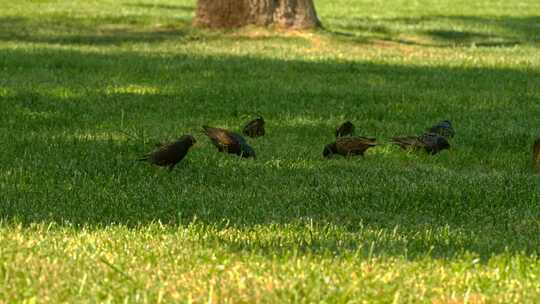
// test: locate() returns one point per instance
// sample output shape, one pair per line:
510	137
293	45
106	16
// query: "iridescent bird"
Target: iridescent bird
254	128
346	129
432	143
230	142
536	154
168	155
349	146
443	128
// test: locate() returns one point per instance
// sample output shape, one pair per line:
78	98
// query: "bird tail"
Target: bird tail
395	140
143	158
258	115
207	130
403	142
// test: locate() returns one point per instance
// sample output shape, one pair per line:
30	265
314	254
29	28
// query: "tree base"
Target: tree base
290	14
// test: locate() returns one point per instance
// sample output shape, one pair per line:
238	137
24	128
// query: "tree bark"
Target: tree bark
292	14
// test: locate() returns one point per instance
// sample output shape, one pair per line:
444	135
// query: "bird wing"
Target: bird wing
347	128
250	128
354	145
254	127
166	154
443	129
237	138
222	139
433	142
429	139
243	146
370	140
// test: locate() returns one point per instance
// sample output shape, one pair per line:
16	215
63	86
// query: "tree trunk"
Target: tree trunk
293	14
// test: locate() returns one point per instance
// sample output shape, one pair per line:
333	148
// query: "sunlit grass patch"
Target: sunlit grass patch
227	267
132	89
4	92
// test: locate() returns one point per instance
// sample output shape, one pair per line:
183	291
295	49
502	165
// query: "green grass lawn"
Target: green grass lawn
81	221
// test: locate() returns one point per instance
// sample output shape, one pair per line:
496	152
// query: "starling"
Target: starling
536	154
432	143
349	146
230	142
443	128
346	129
254	128
168	155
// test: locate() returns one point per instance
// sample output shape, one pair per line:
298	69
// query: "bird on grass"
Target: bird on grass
536	154
349	146
432	143
346	129
230	142
168	155
443	128
254	128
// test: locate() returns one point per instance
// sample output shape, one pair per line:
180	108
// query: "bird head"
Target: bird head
345	128
442	143
329	149
248	151
447	123
188	139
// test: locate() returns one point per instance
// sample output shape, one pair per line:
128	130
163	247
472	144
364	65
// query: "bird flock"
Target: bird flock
433	141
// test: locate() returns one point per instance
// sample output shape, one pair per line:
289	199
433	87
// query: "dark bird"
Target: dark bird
230	142
168	155
432	143
536	154
254	128
443	128
346	129
349	146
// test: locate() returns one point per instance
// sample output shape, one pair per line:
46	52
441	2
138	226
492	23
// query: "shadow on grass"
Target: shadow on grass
67	163
106	31
102	31
505	31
